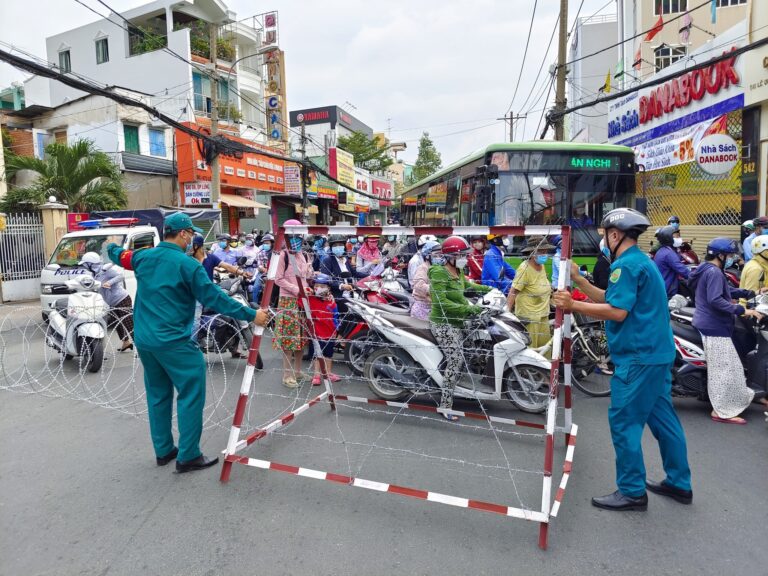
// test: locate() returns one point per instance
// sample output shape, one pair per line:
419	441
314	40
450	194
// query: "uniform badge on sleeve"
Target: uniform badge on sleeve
615	275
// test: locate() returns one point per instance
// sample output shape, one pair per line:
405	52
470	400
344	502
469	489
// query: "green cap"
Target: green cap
180	221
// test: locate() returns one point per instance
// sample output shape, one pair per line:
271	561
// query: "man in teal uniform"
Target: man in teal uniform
169	283
642	349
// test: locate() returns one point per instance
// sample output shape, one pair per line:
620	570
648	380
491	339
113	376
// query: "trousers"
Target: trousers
640	395
182	368
450	339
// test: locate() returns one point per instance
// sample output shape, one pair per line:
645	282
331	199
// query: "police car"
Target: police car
93	236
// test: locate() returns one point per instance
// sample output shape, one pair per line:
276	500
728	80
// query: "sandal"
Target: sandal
735	420
334	377
290	383
316	381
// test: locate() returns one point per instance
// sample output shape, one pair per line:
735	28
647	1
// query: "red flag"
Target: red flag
658	27
638	57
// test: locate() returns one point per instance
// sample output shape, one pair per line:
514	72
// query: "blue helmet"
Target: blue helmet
198	241
557	240
322	279
428	247
724	246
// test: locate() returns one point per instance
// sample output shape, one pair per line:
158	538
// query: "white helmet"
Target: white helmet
90	258
424	238
759	244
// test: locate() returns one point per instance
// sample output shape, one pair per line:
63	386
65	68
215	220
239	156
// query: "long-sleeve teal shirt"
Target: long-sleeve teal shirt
169	282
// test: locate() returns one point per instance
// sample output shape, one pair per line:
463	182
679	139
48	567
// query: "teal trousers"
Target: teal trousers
182	368
640	395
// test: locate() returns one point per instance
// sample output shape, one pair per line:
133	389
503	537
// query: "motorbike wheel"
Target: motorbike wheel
379	384
587	377
531	395
91	353
355	351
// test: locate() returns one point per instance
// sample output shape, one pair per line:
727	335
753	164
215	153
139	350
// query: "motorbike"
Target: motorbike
733	275
408	360
689	372
77	326
219	333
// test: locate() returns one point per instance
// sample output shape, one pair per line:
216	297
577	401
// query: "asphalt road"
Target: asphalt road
80	492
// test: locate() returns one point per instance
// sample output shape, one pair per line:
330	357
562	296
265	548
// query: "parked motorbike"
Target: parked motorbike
500	363
689	373
219	333
77	325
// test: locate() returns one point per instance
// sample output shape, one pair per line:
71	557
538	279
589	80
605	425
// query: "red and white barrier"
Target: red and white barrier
561	360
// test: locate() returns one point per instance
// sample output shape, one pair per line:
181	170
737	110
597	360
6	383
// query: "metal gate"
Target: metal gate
22	257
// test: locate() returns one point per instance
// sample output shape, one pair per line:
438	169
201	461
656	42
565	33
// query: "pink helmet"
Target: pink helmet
292	222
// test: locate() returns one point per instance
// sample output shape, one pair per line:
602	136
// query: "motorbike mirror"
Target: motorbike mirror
242	261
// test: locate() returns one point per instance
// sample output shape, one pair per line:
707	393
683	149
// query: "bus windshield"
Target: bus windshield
70	250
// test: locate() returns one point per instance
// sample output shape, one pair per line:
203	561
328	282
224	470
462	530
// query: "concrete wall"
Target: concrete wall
149	190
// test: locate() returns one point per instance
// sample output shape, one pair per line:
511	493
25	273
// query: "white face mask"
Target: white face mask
321	291
677	242
461	262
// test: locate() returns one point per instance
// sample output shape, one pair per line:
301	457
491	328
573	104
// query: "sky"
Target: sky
448	67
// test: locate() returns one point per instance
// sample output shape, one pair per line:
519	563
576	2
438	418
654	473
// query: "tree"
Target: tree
78	175
428	160
367	152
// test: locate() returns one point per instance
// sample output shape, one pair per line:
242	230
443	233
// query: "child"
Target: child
325	317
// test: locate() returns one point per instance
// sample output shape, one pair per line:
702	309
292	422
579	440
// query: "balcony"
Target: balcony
147	33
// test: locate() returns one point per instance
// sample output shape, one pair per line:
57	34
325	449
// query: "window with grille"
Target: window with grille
671	6
666	55
65	64
724	3
102	51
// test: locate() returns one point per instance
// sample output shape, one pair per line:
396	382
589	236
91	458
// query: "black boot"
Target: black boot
618	501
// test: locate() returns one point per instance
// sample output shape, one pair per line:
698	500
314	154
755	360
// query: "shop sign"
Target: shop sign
197	193
383	190
673	149
341	165
717	154
409	201
362	184
325	115
437	193
686	98
292	177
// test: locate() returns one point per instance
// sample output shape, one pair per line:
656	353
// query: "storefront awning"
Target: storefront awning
241	202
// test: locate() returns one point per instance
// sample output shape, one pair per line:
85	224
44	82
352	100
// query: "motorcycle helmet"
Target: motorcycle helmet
722	247
629	221
336	239
322	279
428	247
225	237
761	223
665	235
454	245
672	220
749	225
557	241
759	245
267	238
198	241
424	238
90	258
496	239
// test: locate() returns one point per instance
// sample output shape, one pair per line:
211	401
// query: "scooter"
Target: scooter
689	373
500	364
77	325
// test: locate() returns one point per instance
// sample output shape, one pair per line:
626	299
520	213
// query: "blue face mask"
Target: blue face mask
542	258
249	243
605	251
438	259
338	251
222	244
729	261
295	244
266	247
675	225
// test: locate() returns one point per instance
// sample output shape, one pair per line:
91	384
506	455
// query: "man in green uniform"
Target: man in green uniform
642	349
169	284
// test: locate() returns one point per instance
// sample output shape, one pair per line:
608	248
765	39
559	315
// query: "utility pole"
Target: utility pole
215	176
560	101
304	176
511	119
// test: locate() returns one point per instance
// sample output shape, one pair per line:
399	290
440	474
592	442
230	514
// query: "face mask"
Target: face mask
391	238
373	244
353	240
338	251
295	244
233	244
675	225
764	231
542	258
360	238
677	242
604	250
438	259
321	291
222	244
266	247
478	245
461	262
729	261
249	243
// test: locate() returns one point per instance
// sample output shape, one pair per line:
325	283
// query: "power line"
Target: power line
525	54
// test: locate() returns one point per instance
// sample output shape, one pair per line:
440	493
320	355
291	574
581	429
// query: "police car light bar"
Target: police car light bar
107	222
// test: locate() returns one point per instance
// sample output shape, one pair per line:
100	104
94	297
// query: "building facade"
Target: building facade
586	78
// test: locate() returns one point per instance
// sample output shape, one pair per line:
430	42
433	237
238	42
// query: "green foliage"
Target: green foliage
142	41
229	112
78	175
7	142
428	160
199	40
367	152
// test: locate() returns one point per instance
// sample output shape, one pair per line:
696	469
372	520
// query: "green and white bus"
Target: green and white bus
537	183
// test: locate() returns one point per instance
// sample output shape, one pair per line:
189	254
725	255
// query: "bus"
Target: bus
527	183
